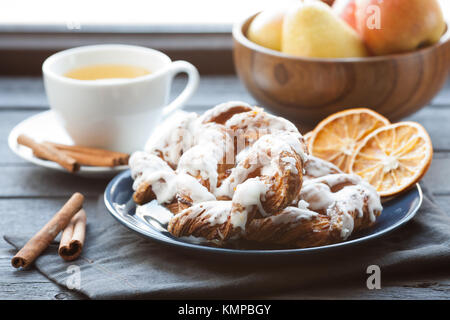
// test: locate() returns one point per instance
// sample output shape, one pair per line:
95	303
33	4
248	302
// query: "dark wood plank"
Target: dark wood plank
28	92
27	216
433	118
436	287
436	121
28	284
22	92
23	179
23	209
437	177
443	98
8	119
33	181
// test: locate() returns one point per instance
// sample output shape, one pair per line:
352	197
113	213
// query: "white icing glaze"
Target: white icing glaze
199	160
188	185
265	155
318	195
214	212
295	141
290	163
258	119
302	204
140	162
148	168
291	215
213	146
214	138
196	149
347	224
316	167
278	147
247	195
219	211
242	154
340	204
173	137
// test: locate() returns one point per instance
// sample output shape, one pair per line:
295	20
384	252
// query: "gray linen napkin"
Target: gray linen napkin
117	263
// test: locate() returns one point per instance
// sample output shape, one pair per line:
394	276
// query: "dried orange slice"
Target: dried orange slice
336	138
394	158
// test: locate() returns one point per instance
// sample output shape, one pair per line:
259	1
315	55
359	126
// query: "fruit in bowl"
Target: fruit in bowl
399	26
308	89
266	29
311	28
346	10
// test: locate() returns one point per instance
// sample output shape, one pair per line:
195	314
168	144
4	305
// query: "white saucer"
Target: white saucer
44	126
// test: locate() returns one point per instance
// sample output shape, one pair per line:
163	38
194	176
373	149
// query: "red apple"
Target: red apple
394	26
346	10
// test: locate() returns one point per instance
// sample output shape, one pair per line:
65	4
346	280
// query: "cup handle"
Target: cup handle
193	81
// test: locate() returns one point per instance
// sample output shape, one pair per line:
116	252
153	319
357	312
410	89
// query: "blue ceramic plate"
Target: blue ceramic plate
118	200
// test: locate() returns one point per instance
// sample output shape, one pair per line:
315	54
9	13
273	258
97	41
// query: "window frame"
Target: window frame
23	48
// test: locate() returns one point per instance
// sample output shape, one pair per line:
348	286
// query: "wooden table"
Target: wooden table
30	195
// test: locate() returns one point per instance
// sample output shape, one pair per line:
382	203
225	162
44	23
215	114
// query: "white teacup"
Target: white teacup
114	114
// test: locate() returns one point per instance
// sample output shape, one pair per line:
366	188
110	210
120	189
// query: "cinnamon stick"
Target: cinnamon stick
72	238
48	152
91	160
41	240
117	158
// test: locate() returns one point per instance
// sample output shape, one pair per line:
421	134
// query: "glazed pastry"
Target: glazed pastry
243	174
265	181
339	205
316	167
210	157
153	178
251	125
207	220
173	137
332	208
222	112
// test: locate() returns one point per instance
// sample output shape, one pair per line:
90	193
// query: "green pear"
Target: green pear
312	29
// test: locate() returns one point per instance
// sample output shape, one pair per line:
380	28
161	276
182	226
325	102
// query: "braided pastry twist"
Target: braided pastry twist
237	172
330	209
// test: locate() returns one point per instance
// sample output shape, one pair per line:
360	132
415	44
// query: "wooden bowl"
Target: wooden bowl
306	90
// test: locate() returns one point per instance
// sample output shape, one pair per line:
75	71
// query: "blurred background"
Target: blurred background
131	13
195	30
192	30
